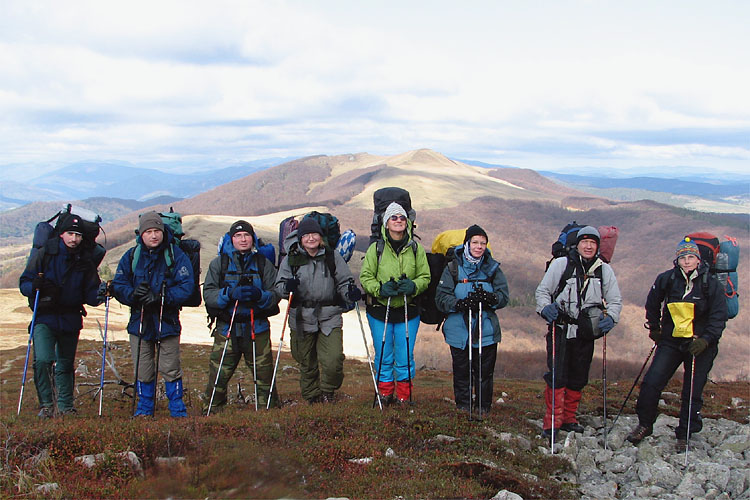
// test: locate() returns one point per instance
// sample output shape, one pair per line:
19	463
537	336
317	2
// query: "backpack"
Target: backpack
261	261
722	258
333	238
192	248
45	242
566	241
285	228
381	199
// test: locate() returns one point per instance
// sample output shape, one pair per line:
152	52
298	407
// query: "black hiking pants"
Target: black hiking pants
572	360
461	375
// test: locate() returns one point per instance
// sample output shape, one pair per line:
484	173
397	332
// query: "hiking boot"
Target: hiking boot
639	434
547	435
68	412
327	397
46	412
386	400
572	427
315	399
681	445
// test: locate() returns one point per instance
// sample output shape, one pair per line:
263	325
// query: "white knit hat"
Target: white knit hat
393	209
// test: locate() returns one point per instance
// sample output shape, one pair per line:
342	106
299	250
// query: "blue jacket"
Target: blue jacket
216	291
77	281
152	268
455	327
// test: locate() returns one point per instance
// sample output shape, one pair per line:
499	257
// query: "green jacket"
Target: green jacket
409	262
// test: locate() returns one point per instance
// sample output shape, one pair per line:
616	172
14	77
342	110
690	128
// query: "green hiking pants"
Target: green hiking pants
321	360
58	349
232	357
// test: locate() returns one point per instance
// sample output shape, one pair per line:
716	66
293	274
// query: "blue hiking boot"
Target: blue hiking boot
145	398
174	394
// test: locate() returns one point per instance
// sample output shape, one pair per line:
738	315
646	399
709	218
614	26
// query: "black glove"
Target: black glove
655	335
38	283
151	298
462	305
389	289
697	346
489	299
353	294
141	292
291	285
406	287
103	292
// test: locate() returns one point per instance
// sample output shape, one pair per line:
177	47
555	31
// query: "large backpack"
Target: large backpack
566	241
381	199
722	258
192	248
333	238
45	242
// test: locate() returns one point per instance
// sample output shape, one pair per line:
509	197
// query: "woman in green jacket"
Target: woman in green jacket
395	268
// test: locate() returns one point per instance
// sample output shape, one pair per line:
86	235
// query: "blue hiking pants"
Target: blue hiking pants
395	357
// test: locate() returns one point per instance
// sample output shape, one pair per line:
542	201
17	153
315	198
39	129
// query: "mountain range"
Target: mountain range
521	210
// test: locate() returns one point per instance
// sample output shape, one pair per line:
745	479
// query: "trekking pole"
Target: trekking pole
281	344
382	348
690	408
408	358
479	388
633	387
138	359
158	341
604	387
554	359
28	350
367	351
221	361
255	359
104	348
471	366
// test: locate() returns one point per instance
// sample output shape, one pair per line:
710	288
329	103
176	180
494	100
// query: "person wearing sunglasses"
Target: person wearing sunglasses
395	268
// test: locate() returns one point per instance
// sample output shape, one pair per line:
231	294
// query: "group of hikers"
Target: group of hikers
578	298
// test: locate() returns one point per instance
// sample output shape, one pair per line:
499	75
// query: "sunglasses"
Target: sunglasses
397	217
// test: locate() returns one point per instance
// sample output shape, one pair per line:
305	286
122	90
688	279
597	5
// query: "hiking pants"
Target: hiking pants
169	358
236	349
461	375
667	358
395	362
572	361
58	349
321	360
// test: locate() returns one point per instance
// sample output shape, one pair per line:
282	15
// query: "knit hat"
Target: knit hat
474	230
393	209
588	233
687	247
241	225
307	226
70	222
150	220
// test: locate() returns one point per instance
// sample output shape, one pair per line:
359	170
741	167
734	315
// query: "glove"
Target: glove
462	305
38	283
550	312
103	292
655	335
389	289
606	323
141	292
473	300
489	299
151	298
245	293
353	294
406	287
697	346
291	285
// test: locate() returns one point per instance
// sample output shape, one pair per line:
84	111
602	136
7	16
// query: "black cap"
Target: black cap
474	231
241	225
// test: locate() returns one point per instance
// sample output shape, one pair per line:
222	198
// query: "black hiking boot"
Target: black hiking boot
46	412
572	427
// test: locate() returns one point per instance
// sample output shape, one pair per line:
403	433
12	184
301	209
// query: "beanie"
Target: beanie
588	233
474	230
150	220
239	226
70	222
393	209
307	226
687	247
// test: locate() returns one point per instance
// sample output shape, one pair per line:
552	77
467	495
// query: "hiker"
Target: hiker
65	281
478	278
321	284
242	277
401	269
155	291
580	300
686	330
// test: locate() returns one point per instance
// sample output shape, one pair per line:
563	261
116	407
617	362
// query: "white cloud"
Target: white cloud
143	81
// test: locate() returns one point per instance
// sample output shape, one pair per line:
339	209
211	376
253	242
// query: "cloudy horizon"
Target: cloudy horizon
543	85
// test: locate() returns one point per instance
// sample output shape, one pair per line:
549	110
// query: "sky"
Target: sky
557	85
